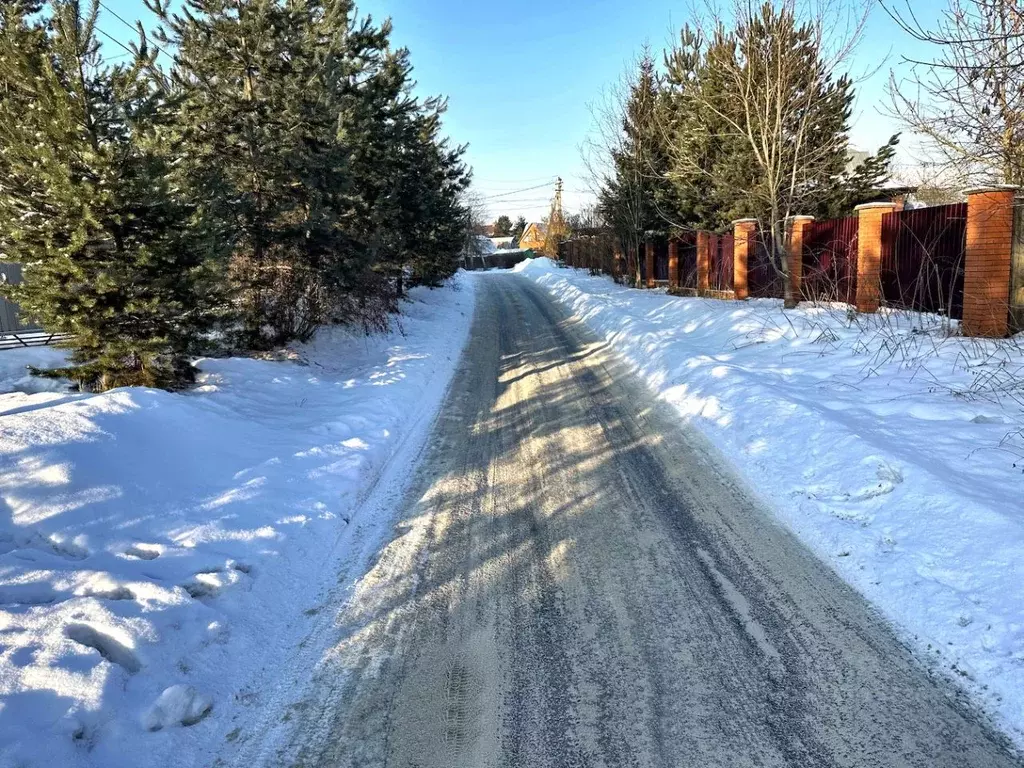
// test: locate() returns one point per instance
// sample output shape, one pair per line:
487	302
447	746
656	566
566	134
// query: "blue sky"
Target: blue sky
521	76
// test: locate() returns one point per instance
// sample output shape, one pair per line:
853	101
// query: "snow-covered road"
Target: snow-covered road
889	446
576	578
162	554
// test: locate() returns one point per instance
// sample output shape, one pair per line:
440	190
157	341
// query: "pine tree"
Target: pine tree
263	93
638	198
86	205
502	226
517	230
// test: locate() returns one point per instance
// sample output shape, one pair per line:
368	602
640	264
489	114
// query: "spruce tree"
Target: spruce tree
86	205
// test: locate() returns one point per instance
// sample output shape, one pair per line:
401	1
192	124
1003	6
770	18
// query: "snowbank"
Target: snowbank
14	375
162	554
893	450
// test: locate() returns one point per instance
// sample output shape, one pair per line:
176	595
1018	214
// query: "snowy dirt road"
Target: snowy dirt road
578	580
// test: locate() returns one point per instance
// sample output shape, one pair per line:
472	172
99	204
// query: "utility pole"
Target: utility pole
556	221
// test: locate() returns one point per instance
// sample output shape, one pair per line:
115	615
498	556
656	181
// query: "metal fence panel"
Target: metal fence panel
720	269
830	260
922	259
764	280
10	315
660	258
686	253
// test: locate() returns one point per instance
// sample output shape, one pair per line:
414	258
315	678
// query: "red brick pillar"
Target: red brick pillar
649	263
798	226
869	254
987	261
703	263
673	263
617	262
745	234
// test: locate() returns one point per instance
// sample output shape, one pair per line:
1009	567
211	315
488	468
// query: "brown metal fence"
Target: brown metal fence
686	253
720	270
830	260
661	259
922	259
764	281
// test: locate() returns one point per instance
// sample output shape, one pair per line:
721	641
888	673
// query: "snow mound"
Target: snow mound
14	375
178	705
153	539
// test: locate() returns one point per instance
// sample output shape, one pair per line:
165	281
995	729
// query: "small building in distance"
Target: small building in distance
533	236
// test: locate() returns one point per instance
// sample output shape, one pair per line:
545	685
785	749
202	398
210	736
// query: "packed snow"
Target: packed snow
890	445
161	555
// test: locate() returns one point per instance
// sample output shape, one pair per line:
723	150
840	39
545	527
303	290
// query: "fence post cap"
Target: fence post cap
877	204
991	188
800	217
744	221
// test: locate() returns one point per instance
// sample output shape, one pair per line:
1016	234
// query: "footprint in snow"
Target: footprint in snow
108	646
144	551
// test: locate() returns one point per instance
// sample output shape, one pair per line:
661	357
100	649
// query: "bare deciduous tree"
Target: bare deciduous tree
968	100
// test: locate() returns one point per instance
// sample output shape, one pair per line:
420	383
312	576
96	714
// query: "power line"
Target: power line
514	182
514	192
111	37
130	26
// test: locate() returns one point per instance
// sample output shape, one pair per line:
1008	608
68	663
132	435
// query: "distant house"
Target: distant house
533	236
501	243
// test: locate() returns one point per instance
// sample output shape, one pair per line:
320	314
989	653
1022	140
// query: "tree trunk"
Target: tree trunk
781	257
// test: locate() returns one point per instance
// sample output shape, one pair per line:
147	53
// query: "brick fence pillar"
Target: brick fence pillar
649	263
798	226
673	263
617	261
744	234
703	263
869	254
987	261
